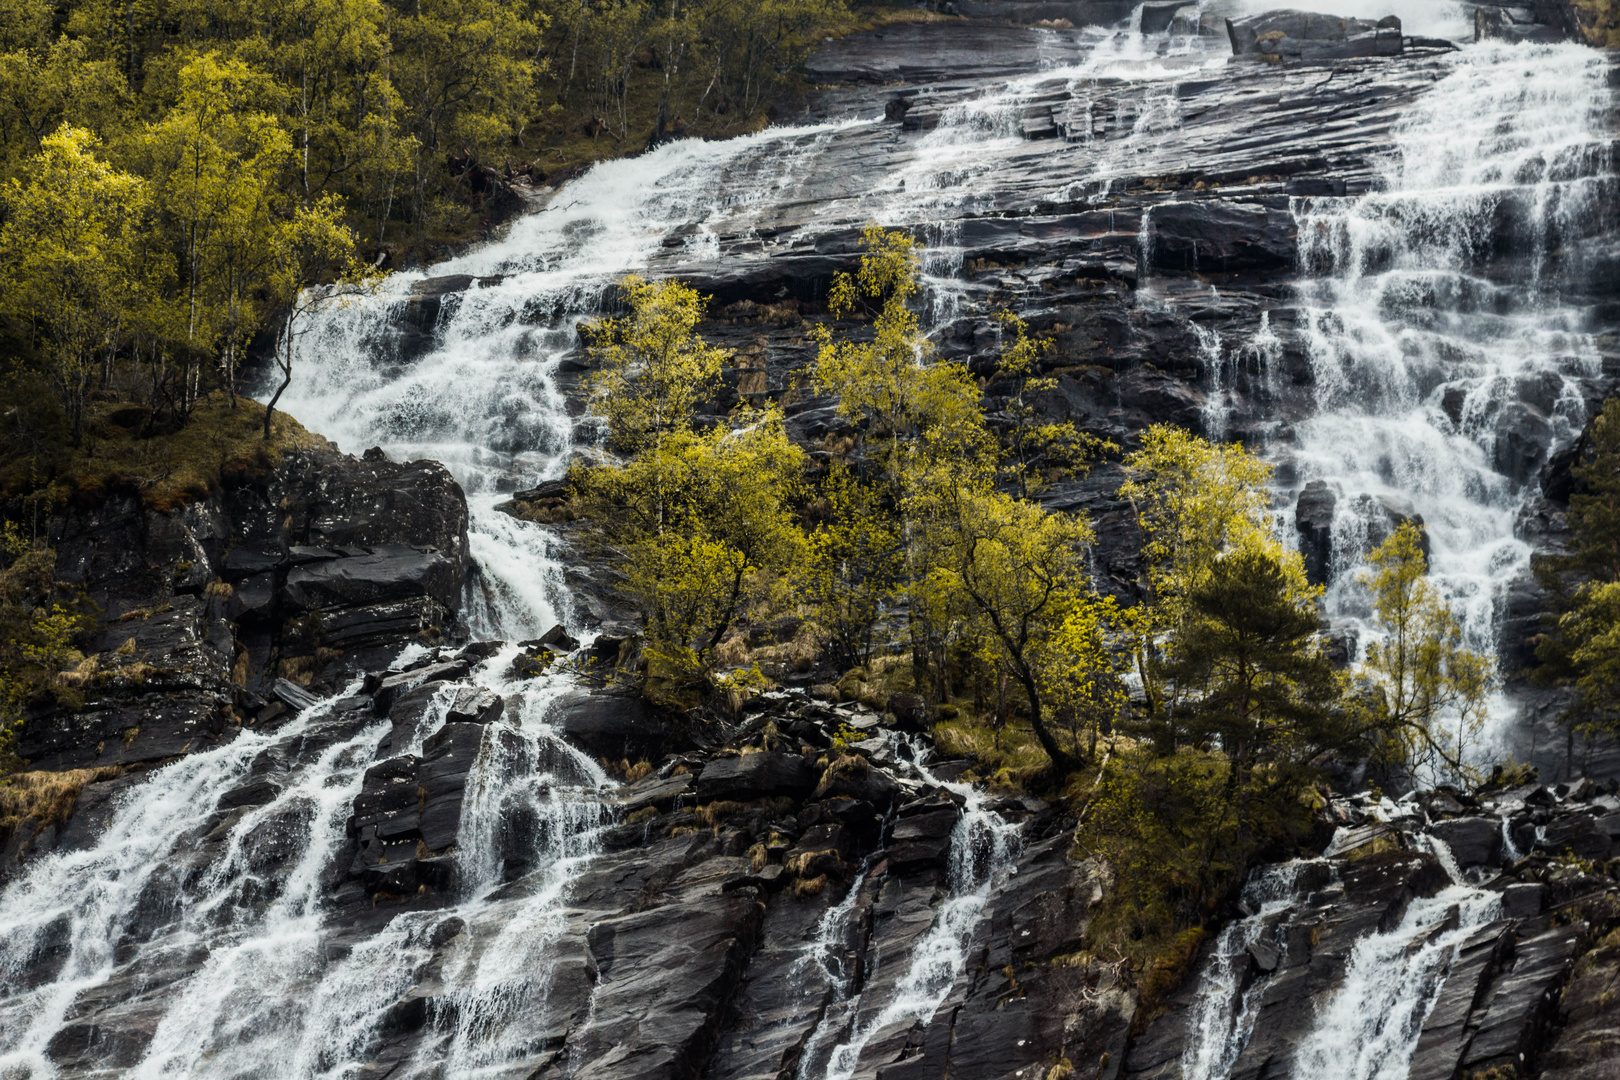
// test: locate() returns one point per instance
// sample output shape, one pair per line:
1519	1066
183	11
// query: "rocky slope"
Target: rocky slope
429	872
245	607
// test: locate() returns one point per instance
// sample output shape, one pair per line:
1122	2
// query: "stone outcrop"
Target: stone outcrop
250	604
1499	1005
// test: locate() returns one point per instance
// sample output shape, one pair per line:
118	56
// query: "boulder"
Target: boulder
1576	834
1523	900
756	776
1313	518
387	572
1474	841
854	777
476	705
612	722
911	712
1157	15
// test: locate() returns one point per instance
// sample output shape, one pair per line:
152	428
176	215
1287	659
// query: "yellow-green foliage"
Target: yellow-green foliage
1008	756
697	519
39	626
854	566
892	382
1167	828
1581	648
653	369
1599	21
1194	500
701	520
76	261
1020	574
1429	690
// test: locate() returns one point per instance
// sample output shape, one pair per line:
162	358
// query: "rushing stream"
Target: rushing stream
1424	347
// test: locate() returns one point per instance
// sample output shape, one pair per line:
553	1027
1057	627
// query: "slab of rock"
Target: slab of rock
756	776
1474	841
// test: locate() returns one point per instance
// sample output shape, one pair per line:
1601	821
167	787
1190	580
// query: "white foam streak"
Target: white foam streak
1223	1012
1370	1027
81	904
984	849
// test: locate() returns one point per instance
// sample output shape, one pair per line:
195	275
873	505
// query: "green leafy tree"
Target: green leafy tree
314	245
1195	501
217	161
341	109
1428	690
653	370
854	567
465	72
891	384
1581	646
1017	567
45	87
39	628
754	45
697	519
74	260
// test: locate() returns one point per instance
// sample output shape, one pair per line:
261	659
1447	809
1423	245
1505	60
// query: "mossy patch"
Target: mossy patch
125	451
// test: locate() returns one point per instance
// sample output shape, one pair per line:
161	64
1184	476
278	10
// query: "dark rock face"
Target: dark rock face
1313	517
323	568
756	899
756	776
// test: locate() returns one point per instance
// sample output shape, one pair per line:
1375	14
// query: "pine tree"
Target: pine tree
1250	674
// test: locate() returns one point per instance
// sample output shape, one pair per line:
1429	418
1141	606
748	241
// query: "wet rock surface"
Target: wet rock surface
759	900
1493	992
247	606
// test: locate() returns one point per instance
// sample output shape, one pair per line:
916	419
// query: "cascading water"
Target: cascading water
1223	1012
984	848
1369	1029
1441	364
252	980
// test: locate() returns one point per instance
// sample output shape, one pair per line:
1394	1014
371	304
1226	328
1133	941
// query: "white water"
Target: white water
984	849
1370	1026
80	905
1407	310
1223	1011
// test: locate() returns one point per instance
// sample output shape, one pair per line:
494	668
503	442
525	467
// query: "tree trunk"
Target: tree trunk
1062	760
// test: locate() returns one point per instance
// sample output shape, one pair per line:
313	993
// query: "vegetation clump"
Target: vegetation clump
1188	723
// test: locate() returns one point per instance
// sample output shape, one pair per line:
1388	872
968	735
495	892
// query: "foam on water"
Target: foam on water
1370	1026
1435	359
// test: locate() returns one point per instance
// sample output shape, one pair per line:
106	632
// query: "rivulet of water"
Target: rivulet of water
1224	1009
984	850
1369	1028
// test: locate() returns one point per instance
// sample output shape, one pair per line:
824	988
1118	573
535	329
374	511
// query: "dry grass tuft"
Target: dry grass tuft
46	797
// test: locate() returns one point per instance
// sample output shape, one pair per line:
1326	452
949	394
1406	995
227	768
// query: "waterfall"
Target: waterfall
1370	1027
1441	365
1224	1010
215	919
984	849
